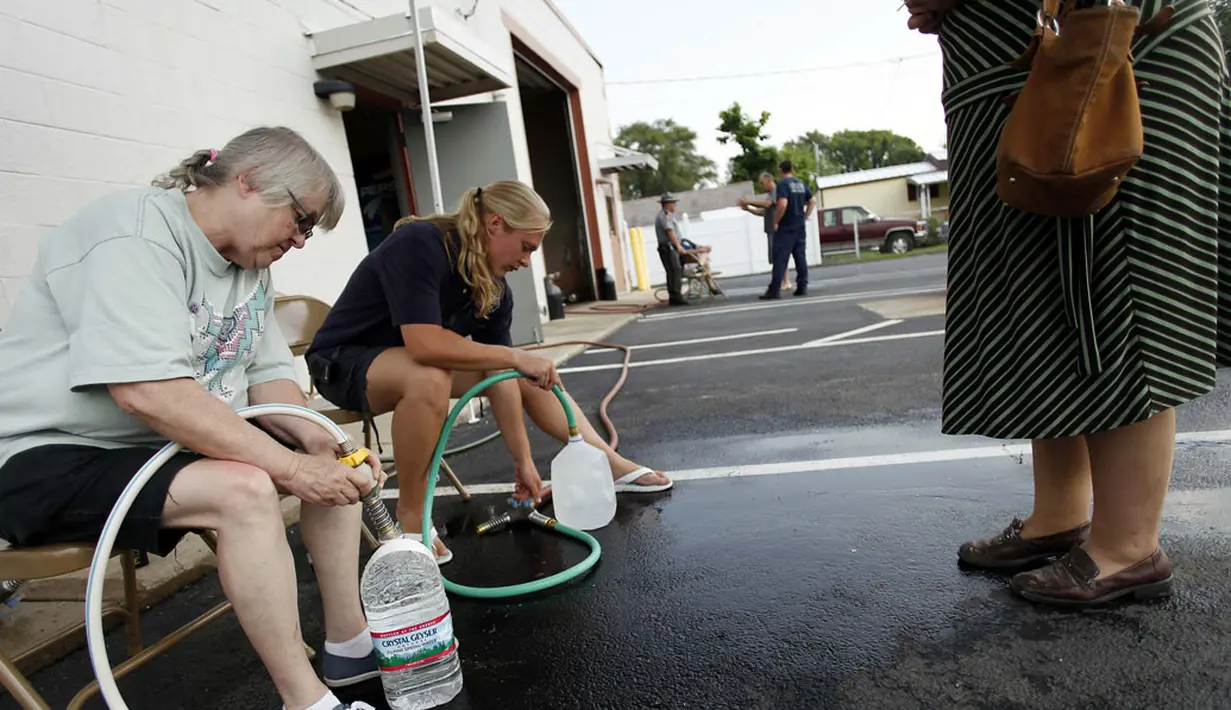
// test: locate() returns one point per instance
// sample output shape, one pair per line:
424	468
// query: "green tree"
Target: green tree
815	154
680	166
755	157
804	151
848	151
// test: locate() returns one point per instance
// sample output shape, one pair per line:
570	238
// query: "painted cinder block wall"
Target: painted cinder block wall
98	95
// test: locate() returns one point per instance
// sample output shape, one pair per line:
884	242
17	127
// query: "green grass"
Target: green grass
876	255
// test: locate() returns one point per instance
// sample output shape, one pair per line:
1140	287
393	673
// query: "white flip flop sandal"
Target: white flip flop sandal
418	537
625	484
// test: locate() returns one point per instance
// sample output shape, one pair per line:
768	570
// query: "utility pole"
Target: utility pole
816	162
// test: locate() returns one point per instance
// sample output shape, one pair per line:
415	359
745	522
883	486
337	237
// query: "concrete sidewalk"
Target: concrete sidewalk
52	606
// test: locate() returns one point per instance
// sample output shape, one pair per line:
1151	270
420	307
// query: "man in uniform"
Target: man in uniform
669	249
795	205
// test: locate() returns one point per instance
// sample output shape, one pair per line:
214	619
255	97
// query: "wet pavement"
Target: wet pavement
830	587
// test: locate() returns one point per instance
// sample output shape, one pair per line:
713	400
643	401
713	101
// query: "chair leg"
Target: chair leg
132	620
211	540
368	537
457	483
156	649
19	687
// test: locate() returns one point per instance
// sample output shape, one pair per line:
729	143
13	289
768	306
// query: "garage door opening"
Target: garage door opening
553	166
377	153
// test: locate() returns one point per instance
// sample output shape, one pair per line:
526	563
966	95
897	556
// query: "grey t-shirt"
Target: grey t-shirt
129	290
662	223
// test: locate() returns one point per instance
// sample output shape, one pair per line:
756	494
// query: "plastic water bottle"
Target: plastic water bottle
582	490
412	628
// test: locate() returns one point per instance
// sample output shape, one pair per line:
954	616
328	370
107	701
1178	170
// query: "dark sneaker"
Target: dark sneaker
1072	581
339	671
769	296
1009	550
801	292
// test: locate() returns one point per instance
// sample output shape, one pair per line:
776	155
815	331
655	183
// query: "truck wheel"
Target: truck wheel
899	243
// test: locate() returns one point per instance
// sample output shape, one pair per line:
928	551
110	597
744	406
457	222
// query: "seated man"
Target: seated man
700	256
149	318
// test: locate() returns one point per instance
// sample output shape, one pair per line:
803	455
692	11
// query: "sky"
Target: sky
826	65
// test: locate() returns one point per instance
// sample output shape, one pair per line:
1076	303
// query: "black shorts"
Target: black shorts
65	493
340	374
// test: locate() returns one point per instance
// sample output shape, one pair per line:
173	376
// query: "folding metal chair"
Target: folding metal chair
31	563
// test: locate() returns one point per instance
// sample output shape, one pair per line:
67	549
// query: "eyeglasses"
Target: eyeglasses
304	221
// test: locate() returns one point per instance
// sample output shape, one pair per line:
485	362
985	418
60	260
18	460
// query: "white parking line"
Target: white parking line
822	343
849	333
807	301
697	341
838	464
862	278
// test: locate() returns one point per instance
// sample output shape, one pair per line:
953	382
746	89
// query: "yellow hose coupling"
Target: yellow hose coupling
353	460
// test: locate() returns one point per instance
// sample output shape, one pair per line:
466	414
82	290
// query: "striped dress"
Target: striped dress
1057	328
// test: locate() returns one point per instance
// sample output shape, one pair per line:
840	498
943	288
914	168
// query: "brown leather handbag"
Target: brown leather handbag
1074	130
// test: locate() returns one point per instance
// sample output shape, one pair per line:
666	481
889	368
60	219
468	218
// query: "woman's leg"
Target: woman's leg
418	396
1132	470
255	566
1061	486
1058	522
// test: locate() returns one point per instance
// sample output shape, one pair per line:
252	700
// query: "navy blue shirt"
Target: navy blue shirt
410	279
797	195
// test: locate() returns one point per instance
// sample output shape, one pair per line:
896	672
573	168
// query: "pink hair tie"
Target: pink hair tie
213	155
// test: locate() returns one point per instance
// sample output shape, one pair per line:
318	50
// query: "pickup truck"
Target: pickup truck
890	236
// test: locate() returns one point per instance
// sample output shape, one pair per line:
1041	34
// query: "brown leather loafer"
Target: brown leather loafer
1071	581
1009	550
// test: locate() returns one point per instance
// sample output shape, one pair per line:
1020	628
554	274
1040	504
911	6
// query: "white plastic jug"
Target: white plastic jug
582	490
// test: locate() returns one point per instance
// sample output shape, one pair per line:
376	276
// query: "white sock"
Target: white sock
329	702
358	647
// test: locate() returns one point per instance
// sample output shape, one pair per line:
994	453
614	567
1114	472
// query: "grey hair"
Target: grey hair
273	161
766	176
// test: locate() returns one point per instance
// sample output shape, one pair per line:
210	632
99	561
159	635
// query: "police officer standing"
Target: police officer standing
794	208
669	249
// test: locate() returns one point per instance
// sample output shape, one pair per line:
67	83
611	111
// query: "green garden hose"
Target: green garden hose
434	471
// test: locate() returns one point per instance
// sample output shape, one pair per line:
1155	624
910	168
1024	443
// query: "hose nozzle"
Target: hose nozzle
496	524
518	511
386	528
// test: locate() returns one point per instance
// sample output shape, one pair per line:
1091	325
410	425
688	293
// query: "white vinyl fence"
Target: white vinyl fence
739	246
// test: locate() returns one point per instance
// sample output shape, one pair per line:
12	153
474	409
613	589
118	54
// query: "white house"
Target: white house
102	94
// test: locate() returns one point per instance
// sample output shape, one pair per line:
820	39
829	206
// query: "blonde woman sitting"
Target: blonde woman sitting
396	341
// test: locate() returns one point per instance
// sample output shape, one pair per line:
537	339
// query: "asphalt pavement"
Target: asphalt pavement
806	556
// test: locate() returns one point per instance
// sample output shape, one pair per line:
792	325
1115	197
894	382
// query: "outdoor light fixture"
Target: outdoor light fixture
439	116
341	94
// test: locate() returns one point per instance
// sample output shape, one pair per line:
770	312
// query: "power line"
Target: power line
778	72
